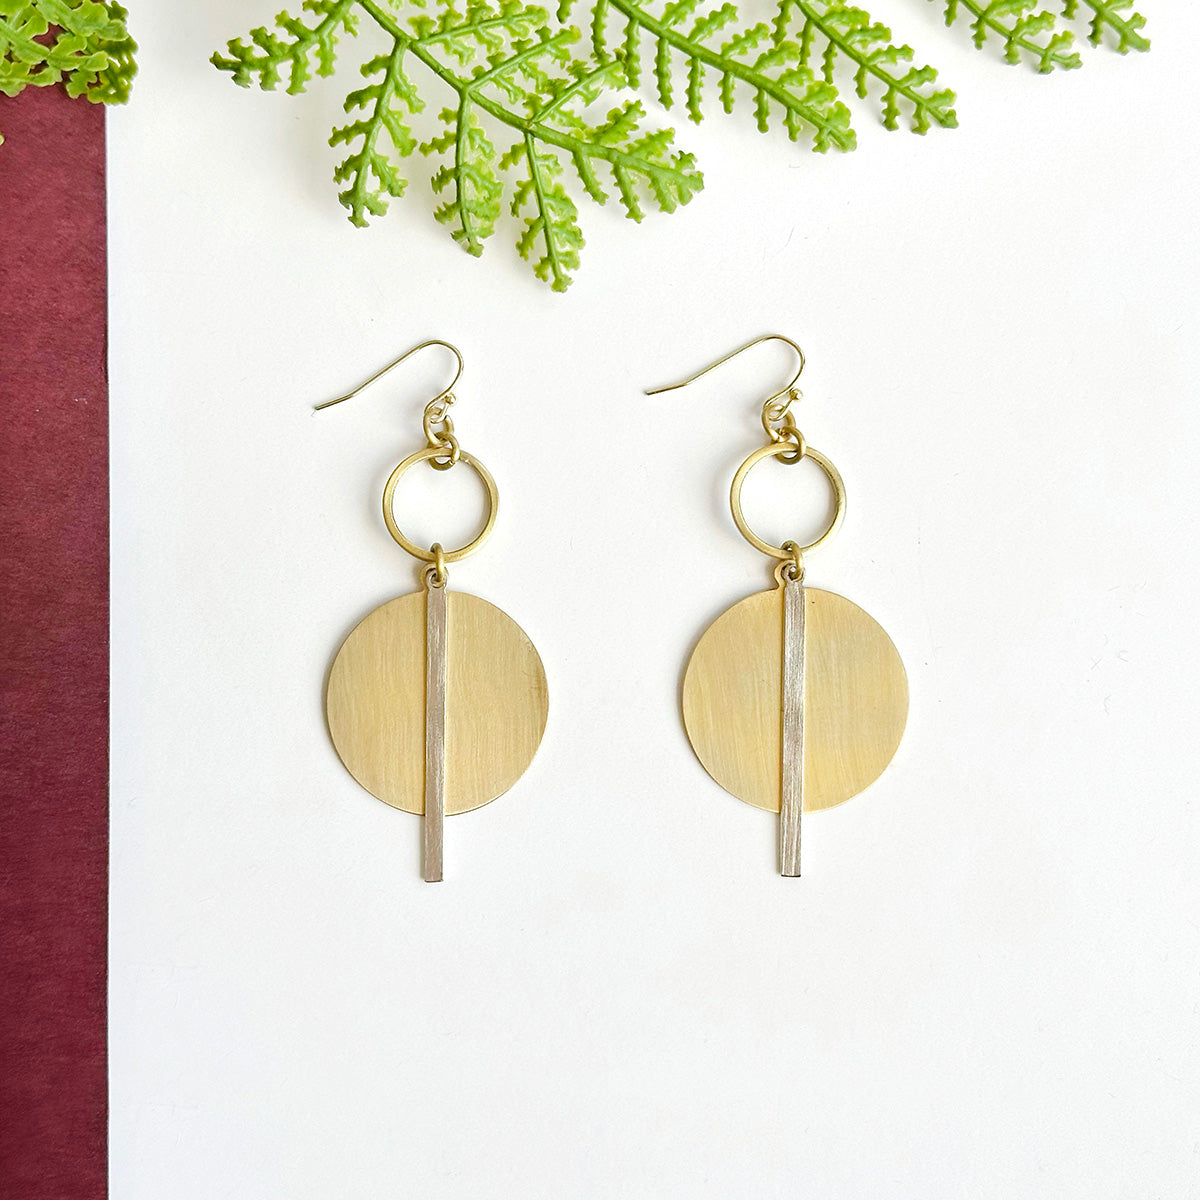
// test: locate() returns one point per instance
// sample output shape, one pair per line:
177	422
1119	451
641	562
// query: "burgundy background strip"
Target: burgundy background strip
53	648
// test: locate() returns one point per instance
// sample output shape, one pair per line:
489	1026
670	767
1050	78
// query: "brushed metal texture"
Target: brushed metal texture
855	700
791	803
496	702
435	730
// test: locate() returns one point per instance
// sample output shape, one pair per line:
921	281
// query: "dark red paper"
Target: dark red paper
53	649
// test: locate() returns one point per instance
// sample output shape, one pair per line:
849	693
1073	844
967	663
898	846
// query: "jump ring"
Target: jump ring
436	574
792	568
436	414
429	454
777	409
448	447
779	450
788	572
790	435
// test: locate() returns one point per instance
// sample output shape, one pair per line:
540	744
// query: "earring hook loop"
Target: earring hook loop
770	405
439	428
443	398
785	443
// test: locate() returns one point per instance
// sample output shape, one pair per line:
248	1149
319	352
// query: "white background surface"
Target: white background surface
986	984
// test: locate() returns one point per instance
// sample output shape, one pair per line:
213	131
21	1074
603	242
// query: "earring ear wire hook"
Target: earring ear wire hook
786	390
444	394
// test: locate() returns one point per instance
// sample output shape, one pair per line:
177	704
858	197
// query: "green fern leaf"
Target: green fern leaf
475	189
777	79
83	44
848	33
1112	15
1022	32
553	221
506	70
268	54
642	165
368	168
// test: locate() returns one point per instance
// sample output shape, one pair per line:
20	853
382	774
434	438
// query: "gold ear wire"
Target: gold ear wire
786	390
777	420
443	395
786	444
439	428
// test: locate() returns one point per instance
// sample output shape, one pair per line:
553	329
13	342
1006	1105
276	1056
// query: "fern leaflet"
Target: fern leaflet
1111	14
1021	31
84	44
776	75
369	169
848	32
268	54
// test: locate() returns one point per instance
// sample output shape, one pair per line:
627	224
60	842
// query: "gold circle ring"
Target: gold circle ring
777	450
448	556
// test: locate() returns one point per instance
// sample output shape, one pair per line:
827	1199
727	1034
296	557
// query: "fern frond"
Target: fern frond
642	164
369	169
478	31
777	79
553	220
103	28
269	54
846	32
1111	15
508	71
537	89
474	204
505	68
1021	31
84	44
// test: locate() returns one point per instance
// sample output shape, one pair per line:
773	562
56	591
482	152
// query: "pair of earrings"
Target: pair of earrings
794	699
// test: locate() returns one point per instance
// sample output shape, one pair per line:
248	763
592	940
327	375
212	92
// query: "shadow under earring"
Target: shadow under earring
794	699
437	700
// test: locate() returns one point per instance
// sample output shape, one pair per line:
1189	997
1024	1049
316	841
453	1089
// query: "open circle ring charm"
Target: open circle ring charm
389	517
779	450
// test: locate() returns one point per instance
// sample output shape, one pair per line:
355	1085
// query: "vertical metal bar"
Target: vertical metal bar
435	729
791	800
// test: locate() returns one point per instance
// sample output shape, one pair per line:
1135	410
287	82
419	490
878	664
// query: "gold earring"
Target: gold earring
794	699
437	701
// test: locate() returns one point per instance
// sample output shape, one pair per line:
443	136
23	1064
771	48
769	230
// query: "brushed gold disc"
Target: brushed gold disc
496	702
855	699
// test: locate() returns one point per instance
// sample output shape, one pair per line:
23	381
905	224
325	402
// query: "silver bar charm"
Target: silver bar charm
435	729
791	800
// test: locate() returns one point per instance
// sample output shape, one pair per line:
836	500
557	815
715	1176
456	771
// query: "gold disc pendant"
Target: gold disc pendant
795	699
436	703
